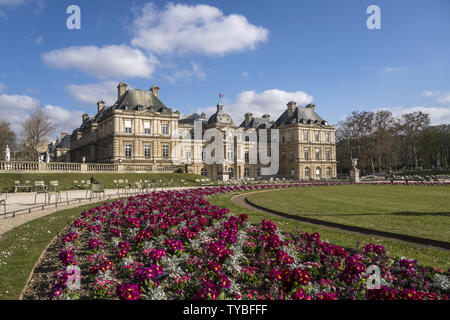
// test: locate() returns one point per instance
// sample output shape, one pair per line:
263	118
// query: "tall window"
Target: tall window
307	154
329	172
317	154
203	154
229	154
283	156
306	135
292	172
306	172
246	172
147	152
283	140
188	154
147	127
204	172
247	156
292	136
291	155
327	137
128	126
128	150
316	136
165	128
165	151
328	154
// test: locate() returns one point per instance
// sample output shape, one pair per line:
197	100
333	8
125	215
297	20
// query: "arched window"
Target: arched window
318	172
204	172
329	172
306	172
246	172
230	172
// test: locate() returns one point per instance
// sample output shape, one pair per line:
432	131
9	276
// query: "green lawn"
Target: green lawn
428	257
66	179
421	211
21	247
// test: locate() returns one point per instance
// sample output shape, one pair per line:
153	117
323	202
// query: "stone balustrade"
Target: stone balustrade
61	167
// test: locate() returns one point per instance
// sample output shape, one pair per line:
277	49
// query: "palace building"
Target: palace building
138	129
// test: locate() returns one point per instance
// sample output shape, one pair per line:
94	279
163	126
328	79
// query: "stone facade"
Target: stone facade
138	129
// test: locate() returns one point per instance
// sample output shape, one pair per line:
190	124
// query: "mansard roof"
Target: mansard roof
256	123
303	115
64	142
189	119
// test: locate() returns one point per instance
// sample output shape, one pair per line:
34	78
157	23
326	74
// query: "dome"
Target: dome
220	117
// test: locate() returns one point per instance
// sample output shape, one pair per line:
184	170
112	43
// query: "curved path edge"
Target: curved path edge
243	199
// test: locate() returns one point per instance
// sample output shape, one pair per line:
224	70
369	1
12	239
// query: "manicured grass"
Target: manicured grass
421	211
21	247
428	257
66	180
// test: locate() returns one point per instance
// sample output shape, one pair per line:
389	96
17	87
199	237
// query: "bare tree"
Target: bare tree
36	130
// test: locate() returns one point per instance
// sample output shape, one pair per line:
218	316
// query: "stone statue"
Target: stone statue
7	153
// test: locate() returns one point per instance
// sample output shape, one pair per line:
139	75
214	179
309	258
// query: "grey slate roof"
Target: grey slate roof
220	117
131	100
256	123
64	143
300	115
189	119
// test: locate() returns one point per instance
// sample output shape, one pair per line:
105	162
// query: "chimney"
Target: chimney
121	89
291	107
248	117
63	134
267	117
311	106
84	117
155	91
100	106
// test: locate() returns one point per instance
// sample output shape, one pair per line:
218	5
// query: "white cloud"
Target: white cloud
429	93
437	115
272	102
17	102
92	93
201	29
106	62
244	75
187	74
64	120
444	98
2	87
15	108
441	98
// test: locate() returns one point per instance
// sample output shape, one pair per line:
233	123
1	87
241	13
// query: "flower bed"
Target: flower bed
175	245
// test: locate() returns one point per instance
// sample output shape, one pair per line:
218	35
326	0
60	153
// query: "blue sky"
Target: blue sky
259	54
